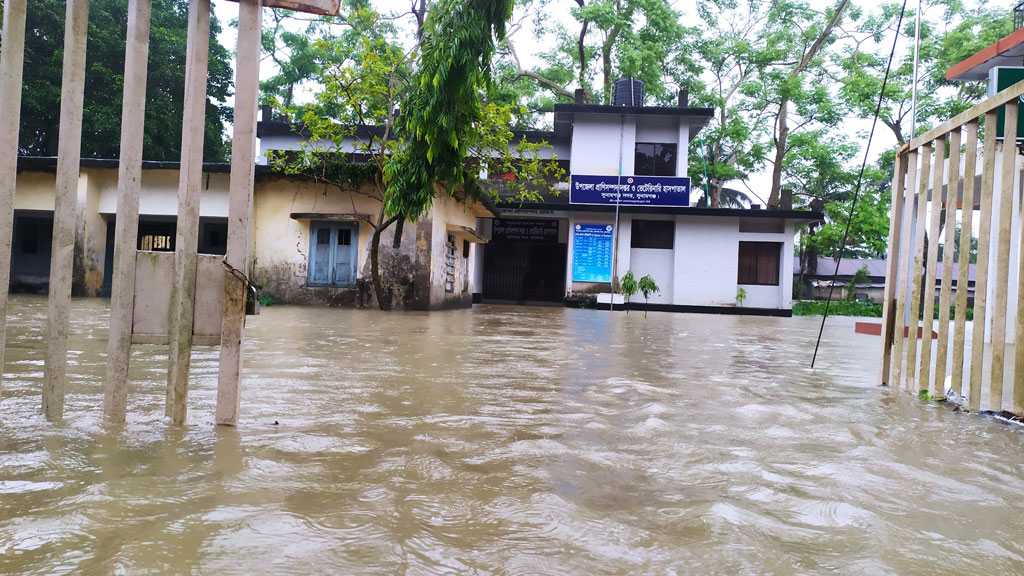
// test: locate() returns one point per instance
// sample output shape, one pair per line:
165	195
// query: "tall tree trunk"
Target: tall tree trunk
383	299
581	47
783	128
782	134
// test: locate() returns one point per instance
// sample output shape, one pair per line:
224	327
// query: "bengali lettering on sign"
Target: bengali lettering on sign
667	191
525	230
592	253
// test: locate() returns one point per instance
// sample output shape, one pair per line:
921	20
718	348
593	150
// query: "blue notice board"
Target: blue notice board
592	253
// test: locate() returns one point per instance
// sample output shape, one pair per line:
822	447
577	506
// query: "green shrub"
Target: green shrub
837	308
848	308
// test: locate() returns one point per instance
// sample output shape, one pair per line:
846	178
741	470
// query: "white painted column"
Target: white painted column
189	190
69	153
11	64
243	160
126	232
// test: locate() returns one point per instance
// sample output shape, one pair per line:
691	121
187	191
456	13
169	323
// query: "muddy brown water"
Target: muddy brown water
504	440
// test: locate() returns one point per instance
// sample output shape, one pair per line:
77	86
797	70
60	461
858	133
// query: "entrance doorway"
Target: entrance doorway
524	262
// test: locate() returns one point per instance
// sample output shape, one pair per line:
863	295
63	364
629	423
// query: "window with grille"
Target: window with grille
449	264
759	263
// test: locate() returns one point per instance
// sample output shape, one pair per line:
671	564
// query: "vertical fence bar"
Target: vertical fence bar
243	160
69	153
1002	250
11	66
916	267
964	264
981	270
931	267
906	234
945	292
129	185
189	186
892	267
1018	357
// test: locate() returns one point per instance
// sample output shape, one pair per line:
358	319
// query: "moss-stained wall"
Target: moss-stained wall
280	243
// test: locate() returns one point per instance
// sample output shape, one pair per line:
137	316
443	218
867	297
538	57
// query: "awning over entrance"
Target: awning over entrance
331	217
466	233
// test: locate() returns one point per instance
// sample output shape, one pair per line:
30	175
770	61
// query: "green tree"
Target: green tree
108	22
615	38
354	140
802	33
441	114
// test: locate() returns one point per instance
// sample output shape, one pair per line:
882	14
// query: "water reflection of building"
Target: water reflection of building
628	206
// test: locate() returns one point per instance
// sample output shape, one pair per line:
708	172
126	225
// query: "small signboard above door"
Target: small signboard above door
525	230
665	191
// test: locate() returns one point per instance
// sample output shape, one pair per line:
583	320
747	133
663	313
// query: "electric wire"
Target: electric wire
860	181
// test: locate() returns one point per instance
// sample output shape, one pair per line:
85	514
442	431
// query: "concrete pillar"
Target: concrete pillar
126	232
1002	257
916	265
931	261
11	65
69	152
243	159
966	223
945	292
189	189
981	280
906	233
892	266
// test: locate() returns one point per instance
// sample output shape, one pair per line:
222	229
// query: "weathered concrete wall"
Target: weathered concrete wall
91	234
448	212
34	191
280	244
160	194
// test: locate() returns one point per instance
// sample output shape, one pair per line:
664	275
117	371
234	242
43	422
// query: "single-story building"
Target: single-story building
310	242
818	278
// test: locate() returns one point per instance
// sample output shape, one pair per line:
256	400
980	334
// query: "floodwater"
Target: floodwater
505	440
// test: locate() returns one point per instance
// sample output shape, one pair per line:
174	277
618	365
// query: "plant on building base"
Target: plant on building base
648	287
628	287
859	278
741	295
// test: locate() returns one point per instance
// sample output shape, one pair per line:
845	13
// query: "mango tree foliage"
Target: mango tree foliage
734	143
949	34
798	81
101	129
441	113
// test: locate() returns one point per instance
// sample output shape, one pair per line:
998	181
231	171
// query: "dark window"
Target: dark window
655	159
652	234
465	248
213	235
759	263
30	237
